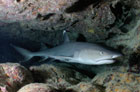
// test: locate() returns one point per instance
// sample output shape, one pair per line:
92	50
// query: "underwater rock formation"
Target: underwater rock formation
13	76
97	21
130	39
37	87
52	78
78	16
58	76
16	10
86	87
118	81
115	23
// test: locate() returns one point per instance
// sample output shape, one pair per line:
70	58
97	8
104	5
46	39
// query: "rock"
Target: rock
59	76
13	76
39	17
85	87
118	81
122	88
134	3
130	39
16	10
37	87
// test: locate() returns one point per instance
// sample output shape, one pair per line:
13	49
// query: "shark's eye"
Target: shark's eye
101	53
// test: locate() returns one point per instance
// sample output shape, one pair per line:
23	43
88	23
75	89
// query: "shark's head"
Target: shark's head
110	54
98	57
106	57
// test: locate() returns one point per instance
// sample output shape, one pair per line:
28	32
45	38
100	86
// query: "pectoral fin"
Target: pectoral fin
63	58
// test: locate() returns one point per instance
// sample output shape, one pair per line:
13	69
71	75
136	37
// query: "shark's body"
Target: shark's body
75	52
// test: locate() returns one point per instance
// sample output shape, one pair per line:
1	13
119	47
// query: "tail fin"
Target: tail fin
27	54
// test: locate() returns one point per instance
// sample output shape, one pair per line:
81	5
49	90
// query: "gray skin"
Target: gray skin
74	52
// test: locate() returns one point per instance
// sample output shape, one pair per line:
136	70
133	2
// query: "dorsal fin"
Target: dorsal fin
43	47
65	37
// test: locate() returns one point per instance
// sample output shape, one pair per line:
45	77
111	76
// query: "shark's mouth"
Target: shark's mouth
105	61
113	58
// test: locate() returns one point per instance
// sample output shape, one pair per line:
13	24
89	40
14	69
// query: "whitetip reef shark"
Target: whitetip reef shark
74	52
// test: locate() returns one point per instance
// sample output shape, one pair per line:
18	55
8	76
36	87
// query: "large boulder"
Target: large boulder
13	76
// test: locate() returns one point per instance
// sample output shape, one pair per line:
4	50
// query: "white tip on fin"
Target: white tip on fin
65	37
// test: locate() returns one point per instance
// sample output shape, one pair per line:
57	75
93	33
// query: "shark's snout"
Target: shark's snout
115	56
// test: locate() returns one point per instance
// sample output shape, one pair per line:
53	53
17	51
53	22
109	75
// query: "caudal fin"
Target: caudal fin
27	54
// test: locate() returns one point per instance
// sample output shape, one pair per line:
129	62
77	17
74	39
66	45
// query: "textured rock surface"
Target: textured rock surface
86	87
131	38
58	76
13	76
118	81
15	10
76	20
96	23
134	3
37	87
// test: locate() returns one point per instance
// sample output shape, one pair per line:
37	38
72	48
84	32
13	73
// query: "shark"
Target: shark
73	52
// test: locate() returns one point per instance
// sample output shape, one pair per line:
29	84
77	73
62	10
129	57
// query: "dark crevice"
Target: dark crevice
81	5
70	90
18	1
81	38
123	29
123	16
110	35
134	59
117	11
134	63
44	17
82	71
